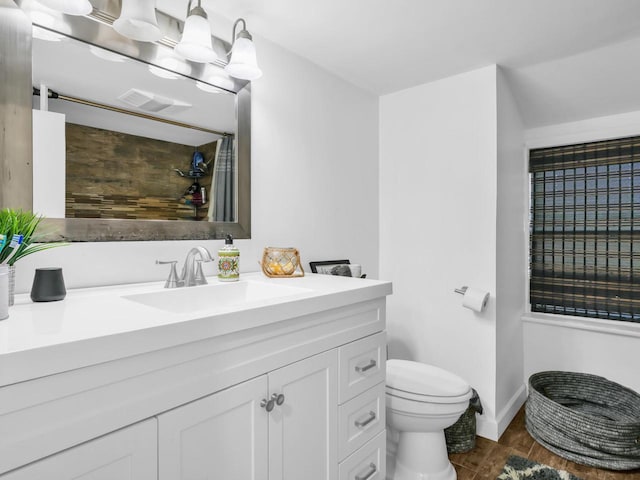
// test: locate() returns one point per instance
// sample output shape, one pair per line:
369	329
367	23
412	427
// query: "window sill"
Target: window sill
611	327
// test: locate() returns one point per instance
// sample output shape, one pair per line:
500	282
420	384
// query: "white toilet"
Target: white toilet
423	400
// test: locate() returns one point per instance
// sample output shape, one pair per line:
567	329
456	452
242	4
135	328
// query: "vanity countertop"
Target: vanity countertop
95	325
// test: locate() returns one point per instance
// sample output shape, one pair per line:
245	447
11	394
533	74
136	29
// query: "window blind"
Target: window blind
585	229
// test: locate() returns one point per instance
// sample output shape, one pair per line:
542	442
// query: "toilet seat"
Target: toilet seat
424	383
418	397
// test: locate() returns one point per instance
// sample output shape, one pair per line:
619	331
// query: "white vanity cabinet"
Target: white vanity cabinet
127	454
231	434
224	435
187	399
303	430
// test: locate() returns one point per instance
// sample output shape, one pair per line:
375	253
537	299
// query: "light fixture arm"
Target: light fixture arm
241	34
197	10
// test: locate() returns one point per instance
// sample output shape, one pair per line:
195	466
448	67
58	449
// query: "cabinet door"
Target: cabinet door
222	436
303	439
128	454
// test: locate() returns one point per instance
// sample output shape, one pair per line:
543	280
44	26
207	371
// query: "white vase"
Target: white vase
4	292
12	283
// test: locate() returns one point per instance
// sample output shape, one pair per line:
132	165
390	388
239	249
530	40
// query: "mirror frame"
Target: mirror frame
104	230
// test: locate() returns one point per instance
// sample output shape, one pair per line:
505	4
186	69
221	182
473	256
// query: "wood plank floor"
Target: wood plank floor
486	460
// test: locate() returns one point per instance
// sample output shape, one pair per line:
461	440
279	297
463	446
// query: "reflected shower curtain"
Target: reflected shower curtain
223	186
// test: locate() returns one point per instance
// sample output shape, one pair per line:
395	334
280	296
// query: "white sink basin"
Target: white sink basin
214	297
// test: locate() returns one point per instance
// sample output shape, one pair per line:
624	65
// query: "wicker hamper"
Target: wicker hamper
461	436
585	418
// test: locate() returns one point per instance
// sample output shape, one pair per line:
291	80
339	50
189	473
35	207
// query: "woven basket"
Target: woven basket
585	418
281	262
461	436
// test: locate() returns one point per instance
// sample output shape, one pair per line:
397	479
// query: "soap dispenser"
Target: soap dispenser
228	261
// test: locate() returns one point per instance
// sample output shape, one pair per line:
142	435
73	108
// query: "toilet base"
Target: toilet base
401	473
423	456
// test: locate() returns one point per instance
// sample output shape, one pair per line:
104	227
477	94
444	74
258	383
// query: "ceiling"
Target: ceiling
386	46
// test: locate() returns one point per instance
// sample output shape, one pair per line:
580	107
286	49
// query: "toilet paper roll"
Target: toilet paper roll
475	299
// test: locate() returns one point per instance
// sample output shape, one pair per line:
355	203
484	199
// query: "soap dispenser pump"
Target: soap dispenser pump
228	261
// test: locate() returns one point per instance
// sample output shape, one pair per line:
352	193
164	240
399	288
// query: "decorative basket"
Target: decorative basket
461	436
281	262
585	418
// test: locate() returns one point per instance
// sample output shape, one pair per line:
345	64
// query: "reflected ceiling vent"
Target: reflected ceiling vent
150	102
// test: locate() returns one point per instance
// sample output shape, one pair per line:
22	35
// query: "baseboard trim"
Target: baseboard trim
511	409
487	428
493	428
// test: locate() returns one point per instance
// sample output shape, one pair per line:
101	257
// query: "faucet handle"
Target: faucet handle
200	278
172	281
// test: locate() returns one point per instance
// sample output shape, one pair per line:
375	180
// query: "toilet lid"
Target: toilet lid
422	379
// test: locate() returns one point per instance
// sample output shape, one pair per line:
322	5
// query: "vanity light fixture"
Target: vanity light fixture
207	87
221	80
162	73
171	69
243	63
70	7
138	21
175	64
107	55
195	44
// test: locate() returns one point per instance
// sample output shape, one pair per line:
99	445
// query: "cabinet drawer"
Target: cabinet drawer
361	419
362	365
368	463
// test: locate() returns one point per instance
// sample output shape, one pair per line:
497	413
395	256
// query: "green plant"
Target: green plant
17	222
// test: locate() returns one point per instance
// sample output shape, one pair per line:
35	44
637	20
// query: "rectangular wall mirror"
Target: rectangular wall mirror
131	141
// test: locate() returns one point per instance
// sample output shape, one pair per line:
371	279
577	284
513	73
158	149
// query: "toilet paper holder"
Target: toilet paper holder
473	298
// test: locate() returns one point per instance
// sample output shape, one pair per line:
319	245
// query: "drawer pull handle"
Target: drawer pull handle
361	369
371	471
278	398
363	423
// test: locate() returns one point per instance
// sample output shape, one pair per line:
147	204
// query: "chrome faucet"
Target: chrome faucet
192	273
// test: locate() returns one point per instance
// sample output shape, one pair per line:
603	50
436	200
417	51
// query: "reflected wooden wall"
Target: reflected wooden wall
116	175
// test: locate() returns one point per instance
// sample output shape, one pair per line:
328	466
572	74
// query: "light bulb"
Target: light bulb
138	21
243	63
195	44
70	7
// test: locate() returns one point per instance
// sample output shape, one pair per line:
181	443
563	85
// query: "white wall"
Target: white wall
576	346
438	193
601	347
314	182
511	256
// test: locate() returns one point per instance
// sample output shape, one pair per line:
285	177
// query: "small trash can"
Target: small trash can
461	436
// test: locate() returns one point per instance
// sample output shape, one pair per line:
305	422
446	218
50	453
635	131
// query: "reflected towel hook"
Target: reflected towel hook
461	290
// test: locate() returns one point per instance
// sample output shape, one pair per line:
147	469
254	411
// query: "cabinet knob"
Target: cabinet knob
363	368
278	398
370	472
267	404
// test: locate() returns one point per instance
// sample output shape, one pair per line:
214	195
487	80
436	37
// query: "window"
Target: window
585	229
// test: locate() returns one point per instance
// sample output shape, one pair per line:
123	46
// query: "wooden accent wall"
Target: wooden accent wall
116	175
